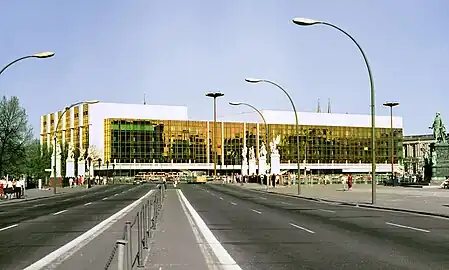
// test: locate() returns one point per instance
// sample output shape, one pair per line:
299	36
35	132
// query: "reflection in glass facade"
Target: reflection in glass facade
166	141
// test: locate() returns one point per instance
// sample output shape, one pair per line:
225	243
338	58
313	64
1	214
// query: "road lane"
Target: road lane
35	237
282	236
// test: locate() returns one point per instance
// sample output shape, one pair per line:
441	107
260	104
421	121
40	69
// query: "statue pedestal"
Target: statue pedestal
81	167
244	168
262	165
440	170
275	164
70	168
252	166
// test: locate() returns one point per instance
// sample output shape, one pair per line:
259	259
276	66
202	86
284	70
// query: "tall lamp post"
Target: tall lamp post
252	80
55	136
261	116
214	95
391	105
309	22
37	55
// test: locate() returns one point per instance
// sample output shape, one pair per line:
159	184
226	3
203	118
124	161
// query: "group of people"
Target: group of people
12	187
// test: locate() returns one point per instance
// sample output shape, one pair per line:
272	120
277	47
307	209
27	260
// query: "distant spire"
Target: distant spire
144	99
318	109
329	105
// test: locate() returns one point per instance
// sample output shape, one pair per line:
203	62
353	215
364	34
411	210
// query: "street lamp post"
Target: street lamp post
55	136
37	55
252	80
261	116
309	22
391	105
214	95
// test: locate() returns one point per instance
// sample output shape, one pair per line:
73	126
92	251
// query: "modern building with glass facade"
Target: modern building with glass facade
152	137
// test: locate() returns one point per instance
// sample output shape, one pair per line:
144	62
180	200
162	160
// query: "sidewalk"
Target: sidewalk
428	200
35	193
175	245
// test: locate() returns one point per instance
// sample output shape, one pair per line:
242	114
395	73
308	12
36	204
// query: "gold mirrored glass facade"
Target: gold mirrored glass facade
165	141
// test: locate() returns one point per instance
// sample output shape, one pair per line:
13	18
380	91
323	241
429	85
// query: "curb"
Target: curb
363	205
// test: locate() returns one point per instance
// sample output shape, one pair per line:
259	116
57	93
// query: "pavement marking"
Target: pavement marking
233	203
104	198
37	205
54	259
9	227
205	248
88	203
407	227
302	228
60	212
220	252
255	211
221	198
326	210
263	198
115	194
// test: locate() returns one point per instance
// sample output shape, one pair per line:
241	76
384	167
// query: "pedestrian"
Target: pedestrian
71	182
349	182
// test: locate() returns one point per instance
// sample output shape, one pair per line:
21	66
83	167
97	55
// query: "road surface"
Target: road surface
269	231
32	229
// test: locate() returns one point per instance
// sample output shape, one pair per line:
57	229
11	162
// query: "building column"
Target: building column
208	143
222	145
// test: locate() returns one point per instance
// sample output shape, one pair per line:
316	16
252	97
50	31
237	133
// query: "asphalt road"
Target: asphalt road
269	231
32	229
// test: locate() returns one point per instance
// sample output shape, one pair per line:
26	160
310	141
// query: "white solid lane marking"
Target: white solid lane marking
255	211
233	203
302	228
88	203
60	212
54	259
37	205
263	198
104	198
407	227
66	200
220	252
221	198
9	227
326	210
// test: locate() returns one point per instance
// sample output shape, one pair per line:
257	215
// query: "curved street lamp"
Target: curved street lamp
37	55
55	136
261	116
310	22
253	80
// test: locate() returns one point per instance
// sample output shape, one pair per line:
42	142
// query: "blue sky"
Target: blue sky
175	51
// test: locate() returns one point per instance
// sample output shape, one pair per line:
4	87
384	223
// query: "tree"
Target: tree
15	135
38	158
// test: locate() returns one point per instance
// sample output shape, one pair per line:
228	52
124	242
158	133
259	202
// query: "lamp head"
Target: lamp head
92	102
44	55
305	21
391	104
214	94
253	80
235	103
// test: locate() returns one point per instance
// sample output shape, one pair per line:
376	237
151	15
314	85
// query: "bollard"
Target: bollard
129	251
148	220
121	244
139	239
144	226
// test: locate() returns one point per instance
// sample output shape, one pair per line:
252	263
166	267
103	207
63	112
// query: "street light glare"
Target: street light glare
44	54
305	21
235	103
253	80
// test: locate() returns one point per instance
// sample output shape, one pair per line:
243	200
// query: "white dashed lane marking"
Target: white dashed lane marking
326	210
9	227
104	199
60	212
255	211
88	203
301	228
221	198
407	227
233	203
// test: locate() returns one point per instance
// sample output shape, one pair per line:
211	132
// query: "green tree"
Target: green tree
15	135
38	158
